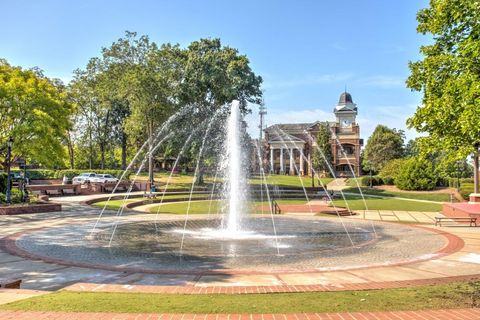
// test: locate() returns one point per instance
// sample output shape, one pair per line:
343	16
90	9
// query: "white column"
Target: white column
301	163
292	168
271	160
282	169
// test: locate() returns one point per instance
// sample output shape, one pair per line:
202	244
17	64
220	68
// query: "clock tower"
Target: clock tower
345	111
346	144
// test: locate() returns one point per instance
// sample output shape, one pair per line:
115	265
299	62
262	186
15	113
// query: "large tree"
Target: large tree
33	111
448	76
382	146
322	156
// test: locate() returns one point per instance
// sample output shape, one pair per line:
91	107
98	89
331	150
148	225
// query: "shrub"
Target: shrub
392	168
465	190
416	174
3	182
70	173
365	181
16	196
388	181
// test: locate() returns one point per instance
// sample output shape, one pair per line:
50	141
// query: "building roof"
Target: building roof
290	127
345	103
345	98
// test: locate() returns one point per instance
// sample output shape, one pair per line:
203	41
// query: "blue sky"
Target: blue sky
306	51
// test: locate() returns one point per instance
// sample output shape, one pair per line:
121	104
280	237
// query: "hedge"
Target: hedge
465	190
453	182
416	174
43	174
72	173
365	181
3	182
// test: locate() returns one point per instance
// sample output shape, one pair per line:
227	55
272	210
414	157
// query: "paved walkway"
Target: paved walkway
337	184
397	216
456	262
453	314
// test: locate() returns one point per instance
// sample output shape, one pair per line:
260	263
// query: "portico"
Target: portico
287	154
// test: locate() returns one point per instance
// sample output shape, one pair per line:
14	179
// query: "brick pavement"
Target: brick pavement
443	314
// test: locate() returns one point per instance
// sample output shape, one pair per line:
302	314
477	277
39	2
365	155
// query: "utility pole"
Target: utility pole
262	111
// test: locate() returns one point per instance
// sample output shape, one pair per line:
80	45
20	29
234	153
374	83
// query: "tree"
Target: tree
35	112
382	146
412	148
322	156
213	76
449	79
392	169
416	174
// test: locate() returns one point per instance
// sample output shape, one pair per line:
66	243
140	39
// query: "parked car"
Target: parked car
104	178
83	178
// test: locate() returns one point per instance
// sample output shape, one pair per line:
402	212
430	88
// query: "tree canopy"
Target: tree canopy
34	111
448	77
382	146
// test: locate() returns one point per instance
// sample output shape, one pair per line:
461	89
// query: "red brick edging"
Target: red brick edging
442	314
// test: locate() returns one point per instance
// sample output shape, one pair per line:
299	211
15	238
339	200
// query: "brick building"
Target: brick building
285	143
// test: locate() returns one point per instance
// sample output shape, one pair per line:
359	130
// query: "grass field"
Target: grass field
427	297
203	207
357	203
293	181
432	196
115	204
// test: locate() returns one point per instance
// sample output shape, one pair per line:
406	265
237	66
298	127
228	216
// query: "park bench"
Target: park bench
471	220
8	283
53	192
36	192
68	191
108	189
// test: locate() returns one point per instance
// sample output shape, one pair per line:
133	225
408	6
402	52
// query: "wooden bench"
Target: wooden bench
53	192
471	220
10	283
68	191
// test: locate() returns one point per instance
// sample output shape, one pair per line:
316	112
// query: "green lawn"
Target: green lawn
292	181
427	297
115	204
432	196
203	207
357	203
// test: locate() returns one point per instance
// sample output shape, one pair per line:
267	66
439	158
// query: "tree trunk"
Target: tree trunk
124	151
70	150
475	171
102	155
90	158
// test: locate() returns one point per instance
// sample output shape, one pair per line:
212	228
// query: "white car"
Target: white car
104	178
83	178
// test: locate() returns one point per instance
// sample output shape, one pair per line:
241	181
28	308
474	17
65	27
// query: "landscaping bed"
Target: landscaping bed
30	208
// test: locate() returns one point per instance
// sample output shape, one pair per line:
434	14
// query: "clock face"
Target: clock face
345	123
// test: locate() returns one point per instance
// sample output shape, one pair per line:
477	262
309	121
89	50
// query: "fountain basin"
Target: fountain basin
305	244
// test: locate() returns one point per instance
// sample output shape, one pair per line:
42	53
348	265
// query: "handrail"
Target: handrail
275	207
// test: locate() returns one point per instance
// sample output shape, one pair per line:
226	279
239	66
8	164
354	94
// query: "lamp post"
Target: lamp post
8	193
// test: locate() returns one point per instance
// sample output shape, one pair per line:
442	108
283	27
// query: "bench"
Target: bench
68	191
471	220
53	192
10	283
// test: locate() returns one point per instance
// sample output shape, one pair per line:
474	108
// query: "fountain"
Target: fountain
236	184
232	237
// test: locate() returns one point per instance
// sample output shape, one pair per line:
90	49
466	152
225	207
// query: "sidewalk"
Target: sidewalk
457	314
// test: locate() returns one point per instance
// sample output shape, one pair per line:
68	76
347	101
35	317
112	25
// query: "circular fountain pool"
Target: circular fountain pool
300	244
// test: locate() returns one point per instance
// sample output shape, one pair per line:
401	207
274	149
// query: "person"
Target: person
64	180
